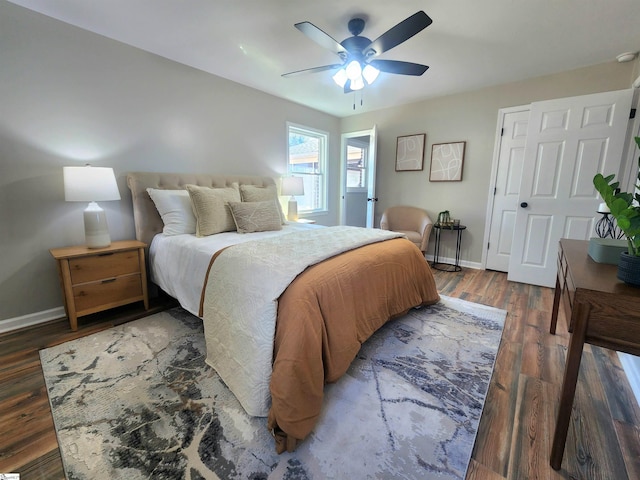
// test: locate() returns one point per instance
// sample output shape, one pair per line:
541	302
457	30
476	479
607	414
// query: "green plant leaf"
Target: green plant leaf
622	207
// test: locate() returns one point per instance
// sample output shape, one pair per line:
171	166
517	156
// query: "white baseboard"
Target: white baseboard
631	366
31	319
463	263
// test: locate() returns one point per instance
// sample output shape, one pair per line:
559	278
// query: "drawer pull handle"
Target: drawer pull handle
106	254
109	280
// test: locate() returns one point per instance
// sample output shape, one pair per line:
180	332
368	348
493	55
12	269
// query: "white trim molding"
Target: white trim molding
494	175
631	366
31	319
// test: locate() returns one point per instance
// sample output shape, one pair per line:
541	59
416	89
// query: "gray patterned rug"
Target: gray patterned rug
138	401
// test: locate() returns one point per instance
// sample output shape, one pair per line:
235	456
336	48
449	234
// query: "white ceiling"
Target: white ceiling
471	43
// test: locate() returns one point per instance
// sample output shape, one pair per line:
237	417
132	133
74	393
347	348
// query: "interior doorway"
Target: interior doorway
358	178
566	141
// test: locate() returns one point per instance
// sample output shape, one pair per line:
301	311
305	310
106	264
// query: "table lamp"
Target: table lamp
292	186
92	184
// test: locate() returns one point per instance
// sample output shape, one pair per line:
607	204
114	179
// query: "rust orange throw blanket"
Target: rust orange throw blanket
241	302
326	314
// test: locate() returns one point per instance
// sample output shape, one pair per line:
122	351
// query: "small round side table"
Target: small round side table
447	267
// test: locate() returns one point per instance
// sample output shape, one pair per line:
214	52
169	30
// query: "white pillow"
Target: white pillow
174	206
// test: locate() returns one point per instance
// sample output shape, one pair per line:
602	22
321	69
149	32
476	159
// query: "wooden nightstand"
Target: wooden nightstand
96	279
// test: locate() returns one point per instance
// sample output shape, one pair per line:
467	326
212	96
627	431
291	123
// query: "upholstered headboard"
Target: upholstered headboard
147	219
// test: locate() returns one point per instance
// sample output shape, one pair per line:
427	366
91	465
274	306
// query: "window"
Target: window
307	158
357	153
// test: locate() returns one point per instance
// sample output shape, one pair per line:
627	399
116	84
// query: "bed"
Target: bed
284	311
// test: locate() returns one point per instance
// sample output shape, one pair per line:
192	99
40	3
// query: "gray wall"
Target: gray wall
470	117
68	97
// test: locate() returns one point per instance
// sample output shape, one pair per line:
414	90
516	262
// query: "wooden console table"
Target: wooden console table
601	310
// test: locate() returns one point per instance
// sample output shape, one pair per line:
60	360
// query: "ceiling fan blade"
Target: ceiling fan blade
321	38
398	34
401	68
312	70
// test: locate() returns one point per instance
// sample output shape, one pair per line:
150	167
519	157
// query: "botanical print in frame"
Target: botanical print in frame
410	152
447	160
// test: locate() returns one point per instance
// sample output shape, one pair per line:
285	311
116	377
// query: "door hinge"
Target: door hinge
495	190
502	132
488	243
633	113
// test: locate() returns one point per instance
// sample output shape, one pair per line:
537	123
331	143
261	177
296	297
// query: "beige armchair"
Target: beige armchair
412	221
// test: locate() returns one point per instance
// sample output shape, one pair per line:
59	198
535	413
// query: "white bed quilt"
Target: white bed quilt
240	304
178	263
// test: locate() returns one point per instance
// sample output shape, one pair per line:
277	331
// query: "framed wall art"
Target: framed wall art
447	160
410	152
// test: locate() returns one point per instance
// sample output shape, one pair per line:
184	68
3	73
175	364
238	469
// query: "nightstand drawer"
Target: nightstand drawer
107	293
103	265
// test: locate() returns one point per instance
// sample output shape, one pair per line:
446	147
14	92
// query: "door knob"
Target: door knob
524	204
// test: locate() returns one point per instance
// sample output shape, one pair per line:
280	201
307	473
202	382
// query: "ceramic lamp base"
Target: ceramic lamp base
96	231
292	212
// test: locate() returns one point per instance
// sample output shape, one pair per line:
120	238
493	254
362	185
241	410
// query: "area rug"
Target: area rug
138	401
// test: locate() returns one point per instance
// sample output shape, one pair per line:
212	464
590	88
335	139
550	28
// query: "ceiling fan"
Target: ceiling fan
357	53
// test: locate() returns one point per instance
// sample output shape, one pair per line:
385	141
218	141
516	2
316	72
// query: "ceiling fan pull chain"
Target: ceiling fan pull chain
361	99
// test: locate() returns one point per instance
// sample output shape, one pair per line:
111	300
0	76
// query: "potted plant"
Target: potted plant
625	208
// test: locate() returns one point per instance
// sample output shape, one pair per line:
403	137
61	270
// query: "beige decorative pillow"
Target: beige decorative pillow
253	193
256	216
210	206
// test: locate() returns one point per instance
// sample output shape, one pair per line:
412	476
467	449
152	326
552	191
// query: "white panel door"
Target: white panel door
569	140
507	189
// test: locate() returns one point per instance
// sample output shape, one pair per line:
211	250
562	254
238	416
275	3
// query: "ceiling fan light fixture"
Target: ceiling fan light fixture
340	77
354	70
370	73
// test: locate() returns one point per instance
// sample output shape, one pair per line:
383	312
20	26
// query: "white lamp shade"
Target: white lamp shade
292	186
354	70
340	77
90	184
370	74
357	84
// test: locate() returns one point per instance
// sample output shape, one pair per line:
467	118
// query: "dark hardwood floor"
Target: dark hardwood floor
515	431
28	443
